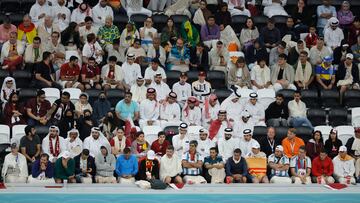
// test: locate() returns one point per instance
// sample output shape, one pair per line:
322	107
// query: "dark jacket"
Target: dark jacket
232	168
90	164
313	150
293	56
223	18
101	108
331	148
337	54
154	169
348	145
270	36
84	127
341	72
203	65
252	54
276	111
266	148
35	171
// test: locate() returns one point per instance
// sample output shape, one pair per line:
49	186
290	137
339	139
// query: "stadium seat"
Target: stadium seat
121	21
172	77
351	98
345	132
288	94
42	131
18	132
26	5
304	133
27	93
160	21
317	116
260	21
217	79
222	94
16	18
114	96
329	98
260	133
355	116
238	22
193	76
179	19
22	78
170	131
93	95
74	94
310	98
337	116
3	75
266	97
10	6
193	132
138	19
51	94
281	133
4	137
280	21
325	131
151	133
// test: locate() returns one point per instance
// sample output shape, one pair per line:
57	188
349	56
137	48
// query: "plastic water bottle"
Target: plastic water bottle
65	183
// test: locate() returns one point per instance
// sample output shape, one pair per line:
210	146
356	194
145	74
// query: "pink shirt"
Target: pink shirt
4	33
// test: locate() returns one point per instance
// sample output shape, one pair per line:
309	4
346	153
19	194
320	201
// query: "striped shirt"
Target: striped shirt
191	171
283	160
297	163
325	73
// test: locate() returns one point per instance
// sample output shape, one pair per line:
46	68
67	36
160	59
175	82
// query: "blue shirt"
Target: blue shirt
321	22
325	73
126	166
209	160
126	110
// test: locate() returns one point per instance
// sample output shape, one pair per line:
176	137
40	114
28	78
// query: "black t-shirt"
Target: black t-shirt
30	145
59	113
280	75
45	71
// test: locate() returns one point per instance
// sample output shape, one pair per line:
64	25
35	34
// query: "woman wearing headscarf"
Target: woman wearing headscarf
79	14
13	111
189	33
8	87
202	13
240	75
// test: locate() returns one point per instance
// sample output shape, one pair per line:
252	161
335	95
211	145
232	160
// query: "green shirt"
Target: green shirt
109	34
64	173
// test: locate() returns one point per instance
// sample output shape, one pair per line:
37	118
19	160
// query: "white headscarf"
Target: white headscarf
75	147
5	91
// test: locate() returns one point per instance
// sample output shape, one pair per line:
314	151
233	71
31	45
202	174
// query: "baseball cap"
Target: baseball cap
350	56
328	59
280	148
255	145
14	143
342	149
150	155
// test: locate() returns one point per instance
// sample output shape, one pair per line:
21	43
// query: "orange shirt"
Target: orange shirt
291	148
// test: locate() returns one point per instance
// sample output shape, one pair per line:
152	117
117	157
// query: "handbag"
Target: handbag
157	184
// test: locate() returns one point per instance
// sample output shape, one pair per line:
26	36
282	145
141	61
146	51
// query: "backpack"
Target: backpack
157	184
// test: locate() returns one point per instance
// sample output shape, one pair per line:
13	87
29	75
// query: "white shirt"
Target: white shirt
204	146
213	113
131	73
84	32
170	112
333	37
151	53
183	92
147	31
343	168
99	14
36	10
162	90
227	147
297	109
46	147
201	88
194	116
246	146
150	73
90	50
259	75
180	145
256	111
94	145
240	126
78	17
6	48
233	109
139	92
62	23
75	147
149	110
170	166
15	161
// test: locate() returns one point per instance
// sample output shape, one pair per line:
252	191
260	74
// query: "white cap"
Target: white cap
350	56
280	148
150	155
255	145
14	142
342	149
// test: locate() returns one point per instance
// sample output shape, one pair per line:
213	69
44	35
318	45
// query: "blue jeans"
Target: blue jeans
300	121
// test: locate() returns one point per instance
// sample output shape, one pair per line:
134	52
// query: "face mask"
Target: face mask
87	117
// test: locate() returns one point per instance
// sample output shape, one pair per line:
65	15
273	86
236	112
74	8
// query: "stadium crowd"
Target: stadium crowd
75	45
